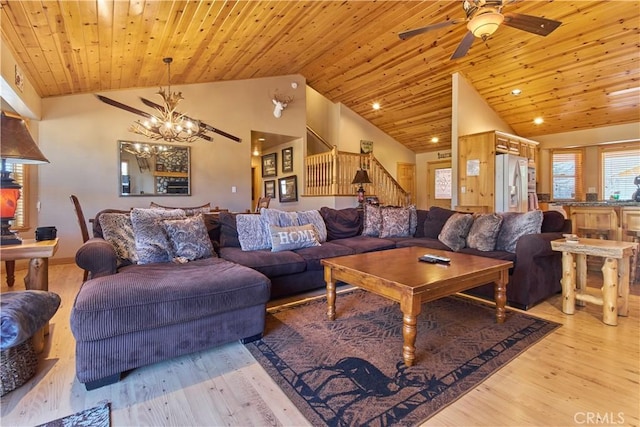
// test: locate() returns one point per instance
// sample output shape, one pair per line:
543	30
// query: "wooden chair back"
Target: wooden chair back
84	231
263	202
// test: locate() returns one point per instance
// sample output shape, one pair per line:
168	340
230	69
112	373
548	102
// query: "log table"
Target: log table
615	272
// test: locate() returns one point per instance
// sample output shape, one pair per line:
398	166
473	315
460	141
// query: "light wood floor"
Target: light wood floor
585	373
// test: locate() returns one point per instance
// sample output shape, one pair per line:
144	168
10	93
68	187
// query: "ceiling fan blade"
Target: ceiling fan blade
532	24
464	46
410	33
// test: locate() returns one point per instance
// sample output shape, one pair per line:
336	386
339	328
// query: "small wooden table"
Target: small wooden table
615	271
396	274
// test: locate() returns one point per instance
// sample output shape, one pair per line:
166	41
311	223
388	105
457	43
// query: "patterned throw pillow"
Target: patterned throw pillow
279	218
413	219
313	217
484	232
396	222
206	208
372	221
290	238
253	234
515	225
152	244
188	238
455	231
117	230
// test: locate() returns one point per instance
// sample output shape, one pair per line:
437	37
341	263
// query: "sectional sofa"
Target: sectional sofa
129	314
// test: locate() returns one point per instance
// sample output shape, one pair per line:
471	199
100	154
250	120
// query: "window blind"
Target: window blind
567	175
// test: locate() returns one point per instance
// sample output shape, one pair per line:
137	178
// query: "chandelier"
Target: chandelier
144	151
168	124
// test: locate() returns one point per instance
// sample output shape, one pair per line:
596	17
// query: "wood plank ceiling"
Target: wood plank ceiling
583	75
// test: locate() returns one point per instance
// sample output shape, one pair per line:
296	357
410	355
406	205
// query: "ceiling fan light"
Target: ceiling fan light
482	26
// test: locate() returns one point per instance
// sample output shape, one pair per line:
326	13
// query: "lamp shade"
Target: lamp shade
482	26
16	143
362	177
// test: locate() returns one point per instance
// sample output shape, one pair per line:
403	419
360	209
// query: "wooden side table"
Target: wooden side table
38	254
615	272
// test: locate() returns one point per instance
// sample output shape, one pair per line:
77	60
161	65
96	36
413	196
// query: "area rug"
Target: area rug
349	372
98	416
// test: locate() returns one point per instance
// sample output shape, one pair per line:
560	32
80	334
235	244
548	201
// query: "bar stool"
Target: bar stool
635	234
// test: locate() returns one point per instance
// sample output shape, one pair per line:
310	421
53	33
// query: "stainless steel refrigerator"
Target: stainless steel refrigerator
511	183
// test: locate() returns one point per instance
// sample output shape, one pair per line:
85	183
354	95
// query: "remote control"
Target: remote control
435	259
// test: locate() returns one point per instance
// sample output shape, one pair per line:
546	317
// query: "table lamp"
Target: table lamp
17	147
362	177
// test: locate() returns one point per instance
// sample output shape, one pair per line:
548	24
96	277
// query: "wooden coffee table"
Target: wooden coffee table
396	274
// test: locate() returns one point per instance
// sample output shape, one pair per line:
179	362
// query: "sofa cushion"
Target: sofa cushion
271	264
552	222
290	238
372	221
396	222
424	242
436	218
455	231
188	238
142	297
152	244
361	244
504	255
117	229
342	223
313	217
516	224
194	210
253	233
484	231
313	256
421	216
228	230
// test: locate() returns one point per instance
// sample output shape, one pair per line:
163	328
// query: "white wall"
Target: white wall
79	135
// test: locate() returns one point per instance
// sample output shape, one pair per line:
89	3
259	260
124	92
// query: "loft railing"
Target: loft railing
331	173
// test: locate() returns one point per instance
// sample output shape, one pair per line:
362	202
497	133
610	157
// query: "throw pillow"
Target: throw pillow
228	230
152	244
118	230
552	221
413	219
188	238
484	232
372	223
515	225
313	217
396	222
279	218
206	208
436	219
341	223
289	238
455	231
22	314
253	234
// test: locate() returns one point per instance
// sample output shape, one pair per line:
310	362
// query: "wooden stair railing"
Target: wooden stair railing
331	173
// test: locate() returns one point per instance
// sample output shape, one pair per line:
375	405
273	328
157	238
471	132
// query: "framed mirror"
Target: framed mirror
150	169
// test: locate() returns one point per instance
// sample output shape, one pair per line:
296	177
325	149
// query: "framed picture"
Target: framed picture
270	189
270	165
372	200
287	159
288	189
160	167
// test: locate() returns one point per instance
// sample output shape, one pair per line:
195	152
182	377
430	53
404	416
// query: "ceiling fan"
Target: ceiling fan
483	19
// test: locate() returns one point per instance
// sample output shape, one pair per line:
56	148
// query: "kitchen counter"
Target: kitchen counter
617	216
600	203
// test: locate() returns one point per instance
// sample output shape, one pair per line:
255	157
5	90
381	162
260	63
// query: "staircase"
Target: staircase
330	174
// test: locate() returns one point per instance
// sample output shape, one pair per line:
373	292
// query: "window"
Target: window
566	179
18	173
620	166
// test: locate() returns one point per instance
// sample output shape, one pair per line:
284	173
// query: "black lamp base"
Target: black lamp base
8	237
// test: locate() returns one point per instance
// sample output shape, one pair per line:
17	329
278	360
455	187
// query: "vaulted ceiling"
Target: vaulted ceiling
585	74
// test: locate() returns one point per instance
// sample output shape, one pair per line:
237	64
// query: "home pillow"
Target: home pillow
289	238
117	230
206	208
152	244
188	238
314	218
372	223
436	219
396	222
341	223
515	225
253	234
484	232
455	231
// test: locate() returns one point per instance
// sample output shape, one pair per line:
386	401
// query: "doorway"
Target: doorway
439	185
406	177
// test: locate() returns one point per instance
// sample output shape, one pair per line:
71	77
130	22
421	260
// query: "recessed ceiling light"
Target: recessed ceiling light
516	92
376	105
261	139
256	152
538	120
435	139
624	91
